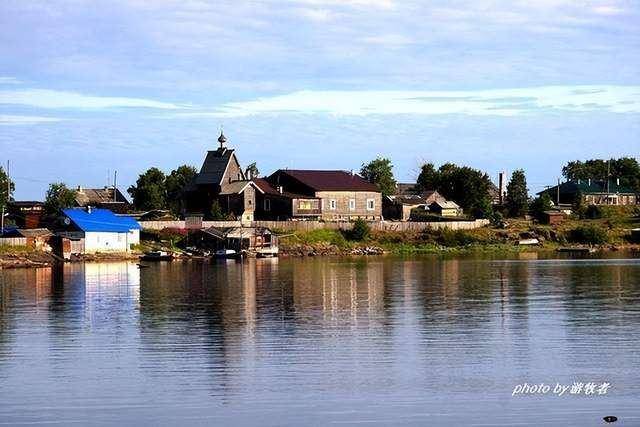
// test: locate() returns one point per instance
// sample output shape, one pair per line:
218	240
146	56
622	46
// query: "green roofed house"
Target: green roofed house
595	192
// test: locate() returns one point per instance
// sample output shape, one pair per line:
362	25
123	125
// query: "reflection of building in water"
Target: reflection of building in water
31	285
339	288
112	280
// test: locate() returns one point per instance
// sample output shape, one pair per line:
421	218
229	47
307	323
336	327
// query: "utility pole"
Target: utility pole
115	181
6	201
558	193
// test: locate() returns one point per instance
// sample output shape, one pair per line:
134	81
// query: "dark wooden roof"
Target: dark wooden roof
267	188
98	196
214	165
330	180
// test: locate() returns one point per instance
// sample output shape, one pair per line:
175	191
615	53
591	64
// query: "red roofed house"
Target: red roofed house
323	194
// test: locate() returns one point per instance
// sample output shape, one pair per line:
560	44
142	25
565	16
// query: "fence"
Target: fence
13	241
315	225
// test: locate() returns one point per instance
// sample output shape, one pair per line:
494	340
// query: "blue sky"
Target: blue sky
90	87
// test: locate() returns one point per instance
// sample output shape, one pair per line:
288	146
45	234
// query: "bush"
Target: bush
360	230
455	238
589	234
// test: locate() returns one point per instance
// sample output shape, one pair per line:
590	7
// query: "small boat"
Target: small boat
578	250
226	253
157	256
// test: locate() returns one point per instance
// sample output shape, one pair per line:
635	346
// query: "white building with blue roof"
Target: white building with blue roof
101	229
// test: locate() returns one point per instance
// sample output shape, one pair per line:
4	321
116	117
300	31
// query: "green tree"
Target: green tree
174	185
626	169
428	178
517	200
579	206
380	172
6	191
58	197
216	212
360	230
252	171
539	205
150	191
464	185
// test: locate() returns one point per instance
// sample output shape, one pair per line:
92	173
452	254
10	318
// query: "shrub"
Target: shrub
589	234
455	238
360	230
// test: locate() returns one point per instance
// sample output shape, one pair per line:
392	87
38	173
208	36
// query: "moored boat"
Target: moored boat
157	256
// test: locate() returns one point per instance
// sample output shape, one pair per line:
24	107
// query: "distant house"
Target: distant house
26	214
221	180
324	194
100	230
406	198
105	198
595	192
445	208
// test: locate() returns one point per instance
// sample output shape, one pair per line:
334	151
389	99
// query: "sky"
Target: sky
88	88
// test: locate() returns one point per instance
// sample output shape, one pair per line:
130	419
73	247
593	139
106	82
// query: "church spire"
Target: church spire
222	139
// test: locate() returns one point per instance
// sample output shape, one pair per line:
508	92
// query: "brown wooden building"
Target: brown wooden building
221	180
331	195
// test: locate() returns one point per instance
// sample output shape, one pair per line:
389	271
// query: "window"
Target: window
305	205
352	204
332	204
371	204
267	204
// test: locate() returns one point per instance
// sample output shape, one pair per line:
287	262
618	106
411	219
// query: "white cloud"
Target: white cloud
6	120
9	81
608	10
42	98
498	102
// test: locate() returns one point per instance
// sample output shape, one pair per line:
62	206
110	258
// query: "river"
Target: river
423	341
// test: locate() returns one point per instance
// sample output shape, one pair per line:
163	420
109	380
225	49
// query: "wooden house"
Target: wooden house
330	195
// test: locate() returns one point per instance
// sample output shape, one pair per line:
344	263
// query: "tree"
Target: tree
59	197
150	191
175	183
216	212
626	169
428	178
380	172
5	196
517	200
252	171
579	206
360	230
540	204
464	185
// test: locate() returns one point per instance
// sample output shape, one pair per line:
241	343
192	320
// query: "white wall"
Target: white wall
110	242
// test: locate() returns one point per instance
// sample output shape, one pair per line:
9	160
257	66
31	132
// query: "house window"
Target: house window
352	204
267	204
332	204
305	205
371	204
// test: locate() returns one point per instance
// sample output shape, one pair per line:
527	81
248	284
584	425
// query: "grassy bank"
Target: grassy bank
608	232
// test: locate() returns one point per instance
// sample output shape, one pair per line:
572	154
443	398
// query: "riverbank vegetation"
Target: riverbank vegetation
612	230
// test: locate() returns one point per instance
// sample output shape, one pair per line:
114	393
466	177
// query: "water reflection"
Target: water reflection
343	340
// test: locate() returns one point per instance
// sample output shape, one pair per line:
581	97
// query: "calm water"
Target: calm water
382	341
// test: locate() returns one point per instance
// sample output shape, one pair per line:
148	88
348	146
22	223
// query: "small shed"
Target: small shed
445	208
553	217
101	229
254	240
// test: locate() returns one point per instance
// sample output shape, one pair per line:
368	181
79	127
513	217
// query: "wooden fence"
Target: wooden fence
13	241
315	225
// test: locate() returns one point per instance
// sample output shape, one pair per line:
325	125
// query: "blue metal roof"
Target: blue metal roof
101	220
